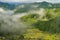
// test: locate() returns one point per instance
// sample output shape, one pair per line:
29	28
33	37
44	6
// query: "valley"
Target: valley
30	21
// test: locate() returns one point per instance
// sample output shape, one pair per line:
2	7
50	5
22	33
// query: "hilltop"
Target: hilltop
25	7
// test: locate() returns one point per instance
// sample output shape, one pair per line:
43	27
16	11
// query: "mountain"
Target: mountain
45	4
32	6
7	5
25	7
56	5
28	6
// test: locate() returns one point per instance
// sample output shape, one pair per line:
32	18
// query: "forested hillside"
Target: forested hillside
30	21
26	7
7	5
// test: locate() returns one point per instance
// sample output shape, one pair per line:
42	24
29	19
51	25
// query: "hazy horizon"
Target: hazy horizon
28	1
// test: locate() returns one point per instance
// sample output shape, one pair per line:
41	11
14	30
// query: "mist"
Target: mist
9	22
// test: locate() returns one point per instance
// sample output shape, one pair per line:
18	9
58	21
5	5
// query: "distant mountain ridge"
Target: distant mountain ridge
36	6
7	5
48	4
44	4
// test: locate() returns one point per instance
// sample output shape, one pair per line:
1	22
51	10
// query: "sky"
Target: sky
53	1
